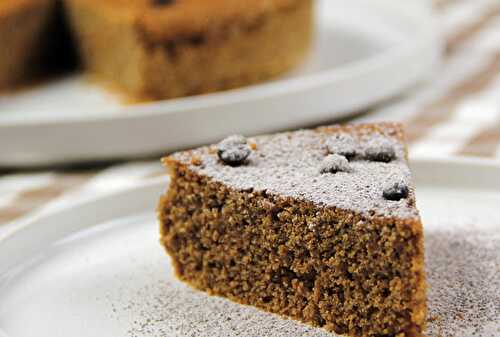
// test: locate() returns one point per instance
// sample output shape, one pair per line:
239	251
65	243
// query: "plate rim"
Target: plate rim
426	40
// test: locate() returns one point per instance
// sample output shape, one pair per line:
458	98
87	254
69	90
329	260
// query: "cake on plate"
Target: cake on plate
170	48
156	49
317	225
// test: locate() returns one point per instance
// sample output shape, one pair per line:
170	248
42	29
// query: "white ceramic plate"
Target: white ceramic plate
97	268
366	51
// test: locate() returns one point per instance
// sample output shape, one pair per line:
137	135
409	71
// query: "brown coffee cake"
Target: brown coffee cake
23	28
158	49
35	42
155	49
318	225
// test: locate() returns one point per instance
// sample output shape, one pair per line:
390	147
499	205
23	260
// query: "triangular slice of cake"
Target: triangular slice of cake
318	225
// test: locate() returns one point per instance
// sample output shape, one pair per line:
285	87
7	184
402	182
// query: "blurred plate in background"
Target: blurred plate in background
366	51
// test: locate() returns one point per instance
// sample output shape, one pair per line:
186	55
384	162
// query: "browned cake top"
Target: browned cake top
167	19
359	168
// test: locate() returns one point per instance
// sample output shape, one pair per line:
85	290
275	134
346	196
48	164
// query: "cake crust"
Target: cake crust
353	268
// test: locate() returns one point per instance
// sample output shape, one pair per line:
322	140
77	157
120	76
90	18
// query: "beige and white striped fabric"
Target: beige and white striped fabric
457	113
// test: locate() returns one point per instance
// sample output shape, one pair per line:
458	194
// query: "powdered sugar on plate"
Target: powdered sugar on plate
463	271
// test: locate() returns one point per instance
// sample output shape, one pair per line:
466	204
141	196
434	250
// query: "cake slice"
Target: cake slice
155	49
35	42
317	225
23	28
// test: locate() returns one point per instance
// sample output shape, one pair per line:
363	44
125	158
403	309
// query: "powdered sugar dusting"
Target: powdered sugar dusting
342	144
463	271
287	164
334	163
233	150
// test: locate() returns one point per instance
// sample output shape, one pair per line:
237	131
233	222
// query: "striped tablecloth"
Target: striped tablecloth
457	113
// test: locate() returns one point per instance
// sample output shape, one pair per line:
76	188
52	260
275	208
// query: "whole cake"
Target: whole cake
318	225
170	48
155	49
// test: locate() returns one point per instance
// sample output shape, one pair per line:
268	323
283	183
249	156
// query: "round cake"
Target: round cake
158	49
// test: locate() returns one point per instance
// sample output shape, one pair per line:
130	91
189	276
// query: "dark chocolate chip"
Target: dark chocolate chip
396	192
344	145
267	299
334	163
234	150
162	2
381	153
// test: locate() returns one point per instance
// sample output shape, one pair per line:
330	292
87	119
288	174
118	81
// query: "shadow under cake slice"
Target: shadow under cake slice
318	225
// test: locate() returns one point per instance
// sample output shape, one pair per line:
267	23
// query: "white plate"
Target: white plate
366	51
97	269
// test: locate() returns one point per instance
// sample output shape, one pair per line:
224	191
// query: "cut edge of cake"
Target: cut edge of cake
40	46
23	25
